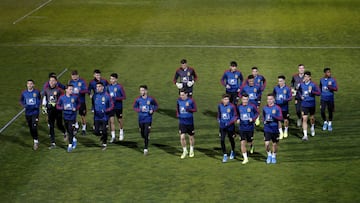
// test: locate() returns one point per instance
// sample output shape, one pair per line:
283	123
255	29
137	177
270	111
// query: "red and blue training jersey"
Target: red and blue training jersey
227	115
30	100
184	111
327	87
143	106
271	116
233	79
247	112
69	106
117	93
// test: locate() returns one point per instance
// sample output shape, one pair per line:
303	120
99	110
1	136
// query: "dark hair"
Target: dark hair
326	69
254	68
250	77
225	96
233	64
97	71
100	83
245	94
31	80
281	77
301	65
183	90
74	72
52	74
307	73
271	95
183	61
143	86
114	75
69	85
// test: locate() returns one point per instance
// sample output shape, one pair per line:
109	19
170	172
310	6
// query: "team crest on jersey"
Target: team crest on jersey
228	110
248	110
284	91
236	76
115	89
255	90
55	93
329	83
273	111
79	84
187	104
103	99
72	100
188	73
148	102
34	94
259	80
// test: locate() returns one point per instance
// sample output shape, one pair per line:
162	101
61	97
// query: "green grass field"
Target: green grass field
144	41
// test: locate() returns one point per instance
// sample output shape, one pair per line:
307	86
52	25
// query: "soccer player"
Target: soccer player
145	105
69	104
46	84
307	91
232	79
283	95
328	86
254	93
93	82
296	80
103	105
248	113
259	81
30	100
186	106
227	116
185	77
50	98
117	94
80	90
271	115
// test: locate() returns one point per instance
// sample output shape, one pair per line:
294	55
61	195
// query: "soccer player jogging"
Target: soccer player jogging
145	106
103	105
69	104
186	106
80	90
47	84
50	98
260	82
232	79
296	80
271	115
253	91
248	113
307	91
227	116
328	86
283	96
117	94
185	77
30	100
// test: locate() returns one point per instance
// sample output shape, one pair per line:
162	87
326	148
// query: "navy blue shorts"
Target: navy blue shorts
274	137
187	129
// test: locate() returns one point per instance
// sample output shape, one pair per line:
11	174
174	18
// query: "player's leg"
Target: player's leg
298	112
281	130
223	133
103	133
119	115
323	114
331	108
112	127
305	112
275	140
312	121
231	135
191	133
51	121
267	138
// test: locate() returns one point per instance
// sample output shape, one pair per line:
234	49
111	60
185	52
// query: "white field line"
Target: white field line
31	12
179	46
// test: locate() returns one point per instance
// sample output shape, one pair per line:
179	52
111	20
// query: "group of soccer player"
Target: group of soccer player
61	103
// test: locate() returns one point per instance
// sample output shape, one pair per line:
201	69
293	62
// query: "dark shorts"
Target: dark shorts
285	114
330	105
82	109
308	110
274	137
187	129
117	112
247	135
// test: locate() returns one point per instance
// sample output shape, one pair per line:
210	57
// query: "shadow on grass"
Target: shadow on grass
130	145
168	112
89	140
212	153
257	156
168	149
209	113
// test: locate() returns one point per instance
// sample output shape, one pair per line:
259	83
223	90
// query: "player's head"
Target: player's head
183	94
281	80
143	90
183	63
244	98
307	76
113	78
270	99
327	72
301	68
74	75
69	89
225	99
52	74
52	81
30	84
233	65
97	74
250	79
255	71
99	87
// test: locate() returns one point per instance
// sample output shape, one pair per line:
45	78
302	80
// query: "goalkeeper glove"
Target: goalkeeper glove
43	110
190	83
179	85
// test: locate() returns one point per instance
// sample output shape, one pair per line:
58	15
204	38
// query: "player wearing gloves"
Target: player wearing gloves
271	115
30	100
296	80
254	93
103	105
185	108
50	98
232	80
185	78
227	116
69	105
145	106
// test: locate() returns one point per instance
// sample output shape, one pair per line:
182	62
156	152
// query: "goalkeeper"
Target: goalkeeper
185	78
